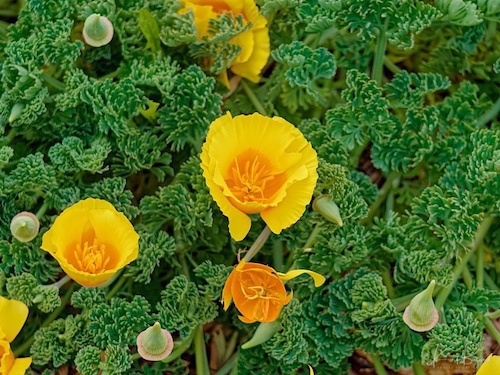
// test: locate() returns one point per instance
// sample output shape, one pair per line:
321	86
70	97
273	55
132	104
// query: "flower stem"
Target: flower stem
53	82
490	327
387	279
253	98
228	365
493	315
488	115
58	284
467	277
480	267
418	369
460	265
180	347
392	179
257	245
116	288
200	352
490	282
377	363
42	210
378	60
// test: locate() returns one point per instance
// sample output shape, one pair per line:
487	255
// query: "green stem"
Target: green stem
135	356
382	195
200	352
493	315
389	64
312	237
253	98
467	277
490	327
42	210
184	265
377	363
488	115
116	288
400	303
480	267
64	301
387	279
53	82
460	265
490	282
9	137
228	365
257	245
378	60
418	369
180	347
61	282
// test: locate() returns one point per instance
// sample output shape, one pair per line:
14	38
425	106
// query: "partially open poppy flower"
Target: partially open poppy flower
254	42
91	241
257	164
258	291
13	314
491	366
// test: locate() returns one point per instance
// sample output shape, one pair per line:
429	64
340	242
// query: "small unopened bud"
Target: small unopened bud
24	226
155	343
421	314
97	30
15	112
328	209
263	333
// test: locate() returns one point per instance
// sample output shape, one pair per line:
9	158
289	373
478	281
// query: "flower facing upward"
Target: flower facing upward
254	42
91	241
13	314
257	164
491	366
258	291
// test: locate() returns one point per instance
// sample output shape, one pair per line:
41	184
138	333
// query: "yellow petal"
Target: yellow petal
20	366
13	314
7	358
491	366
318	279
311	371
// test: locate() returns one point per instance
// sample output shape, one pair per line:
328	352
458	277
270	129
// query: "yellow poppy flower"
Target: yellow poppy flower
257	164
13	314
491	366
254	42
258	291
91	241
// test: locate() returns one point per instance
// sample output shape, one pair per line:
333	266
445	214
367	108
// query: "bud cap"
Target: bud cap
155	343
97	30
421	314
24	226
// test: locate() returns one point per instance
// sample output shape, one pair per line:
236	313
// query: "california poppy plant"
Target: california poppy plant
257	164
91	241
254	42
258	291
13	314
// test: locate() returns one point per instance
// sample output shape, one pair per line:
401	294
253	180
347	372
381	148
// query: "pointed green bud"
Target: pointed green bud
263	333
24	226
15	112
421	314
328	209
155	343
97	30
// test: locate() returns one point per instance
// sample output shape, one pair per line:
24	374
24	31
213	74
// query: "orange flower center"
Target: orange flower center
252	178
93	258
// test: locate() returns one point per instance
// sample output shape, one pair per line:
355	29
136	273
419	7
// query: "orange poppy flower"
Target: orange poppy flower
91	241
13	314
254	42
258	291
258	164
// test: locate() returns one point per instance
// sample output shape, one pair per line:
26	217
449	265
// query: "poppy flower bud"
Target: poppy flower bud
97	30
328	209
421	314
263	333
15	112
155	343
24	226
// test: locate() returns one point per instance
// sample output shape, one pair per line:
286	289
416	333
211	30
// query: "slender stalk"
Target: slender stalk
488	115
53	82
200	352
493	315
490	327
312	237
378	60
58	284
42	210
116	288
400	303
460	265
381	197
467	277
180	347
480	267
377	363
253	98
418	369
257	245
490	282
389	64
135	356
387	279
228	365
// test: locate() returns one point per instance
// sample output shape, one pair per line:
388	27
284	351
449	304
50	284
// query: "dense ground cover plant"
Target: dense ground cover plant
105	107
